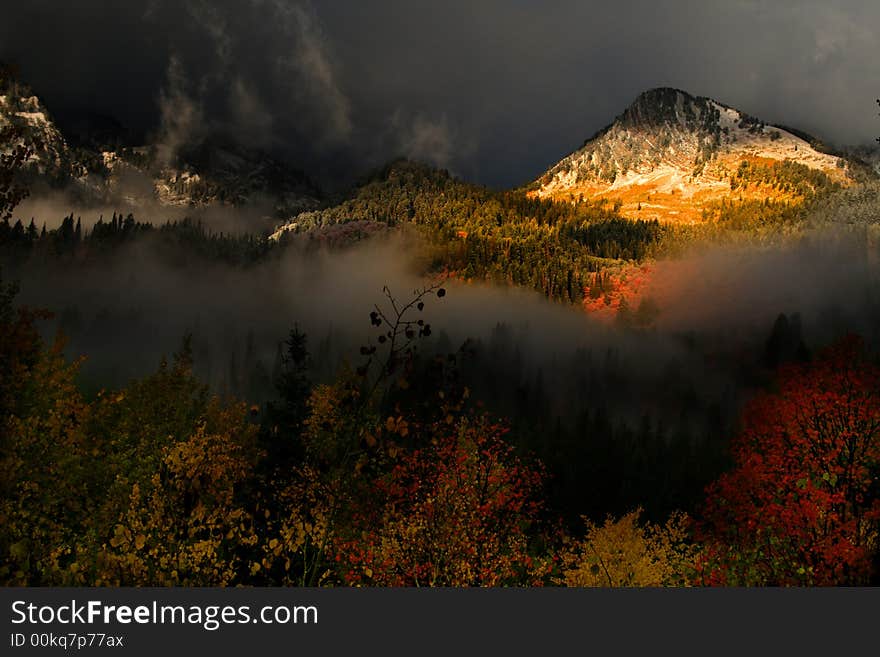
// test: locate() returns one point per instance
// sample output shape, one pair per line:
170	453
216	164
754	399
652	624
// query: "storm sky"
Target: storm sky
494	90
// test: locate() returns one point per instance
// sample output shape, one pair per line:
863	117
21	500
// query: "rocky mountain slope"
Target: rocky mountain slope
671	156
213	172
51	158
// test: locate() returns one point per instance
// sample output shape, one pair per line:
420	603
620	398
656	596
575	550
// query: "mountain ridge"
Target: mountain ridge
668	142
669	156
213	172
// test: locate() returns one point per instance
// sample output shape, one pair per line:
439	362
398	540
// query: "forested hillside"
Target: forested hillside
506	237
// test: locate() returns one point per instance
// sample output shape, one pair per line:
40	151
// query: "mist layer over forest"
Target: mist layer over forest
584	394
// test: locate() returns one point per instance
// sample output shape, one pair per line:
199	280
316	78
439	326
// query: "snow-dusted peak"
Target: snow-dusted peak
669	142
209	173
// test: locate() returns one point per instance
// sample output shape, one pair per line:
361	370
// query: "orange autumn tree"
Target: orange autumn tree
801	504
458	512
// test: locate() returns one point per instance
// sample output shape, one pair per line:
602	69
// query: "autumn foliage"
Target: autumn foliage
185	525
457	512
376	479
801	504
609	292
628	552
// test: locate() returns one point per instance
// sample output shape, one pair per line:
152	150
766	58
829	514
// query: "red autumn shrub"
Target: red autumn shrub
459	512
801	504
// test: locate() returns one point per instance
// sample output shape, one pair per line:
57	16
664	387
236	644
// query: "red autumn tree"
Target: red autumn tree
801	504
460	512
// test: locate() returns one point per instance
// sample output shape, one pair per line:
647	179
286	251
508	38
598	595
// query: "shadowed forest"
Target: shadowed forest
389	449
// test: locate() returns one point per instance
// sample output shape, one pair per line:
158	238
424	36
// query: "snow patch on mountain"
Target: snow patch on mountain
671	143
213	174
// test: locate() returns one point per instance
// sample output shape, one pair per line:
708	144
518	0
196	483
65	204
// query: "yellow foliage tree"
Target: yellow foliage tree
43	471
297	534
187	526
626	552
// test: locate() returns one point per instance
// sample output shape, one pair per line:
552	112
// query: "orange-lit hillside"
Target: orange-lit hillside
671	157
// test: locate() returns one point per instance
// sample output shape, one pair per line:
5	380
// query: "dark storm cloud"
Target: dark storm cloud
495	90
